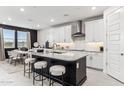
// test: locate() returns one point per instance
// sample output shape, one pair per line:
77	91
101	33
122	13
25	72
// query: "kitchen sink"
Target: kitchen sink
58	52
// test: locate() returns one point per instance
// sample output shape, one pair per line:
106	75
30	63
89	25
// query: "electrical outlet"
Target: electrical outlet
77	65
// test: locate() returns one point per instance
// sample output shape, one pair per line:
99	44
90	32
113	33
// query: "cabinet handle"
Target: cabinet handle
77	65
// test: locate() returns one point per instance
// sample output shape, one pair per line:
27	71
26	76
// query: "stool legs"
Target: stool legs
51	82
62	79
29	70
15	63
40	76
24	68
34	77
49	79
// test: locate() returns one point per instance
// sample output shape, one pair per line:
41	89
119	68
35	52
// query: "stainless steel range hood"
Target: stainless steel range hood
77	29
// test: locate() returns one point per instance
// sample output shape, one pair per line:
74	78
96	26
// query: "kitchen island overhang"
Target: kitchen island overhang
74	62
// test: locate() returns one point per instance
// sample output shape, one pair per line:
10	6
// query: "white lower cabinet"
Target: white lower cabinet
95	60
89	61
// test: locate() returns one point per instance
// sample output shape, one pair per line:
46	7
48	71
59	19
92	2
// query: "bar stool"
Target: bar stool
28	63
40	65
57	70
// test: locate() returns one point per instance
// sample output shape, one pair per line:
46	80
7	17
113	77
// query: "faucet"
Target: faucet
54	44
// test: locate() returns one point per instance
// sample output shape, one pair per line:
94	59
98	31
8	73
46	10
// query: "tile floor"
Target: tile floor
13	76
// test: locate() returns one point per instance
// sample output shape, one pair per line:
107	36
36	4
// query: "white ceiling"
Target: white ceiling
41	15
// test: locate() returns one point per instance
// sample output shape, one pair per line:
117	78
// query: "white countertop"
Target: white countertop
66	55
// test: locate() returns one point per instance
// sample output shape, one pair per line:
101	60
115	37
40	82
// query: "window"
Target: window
9	38
22	39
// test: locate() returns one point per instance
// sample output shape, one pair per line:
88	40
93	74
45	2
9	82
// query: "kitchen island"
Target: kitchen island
74	62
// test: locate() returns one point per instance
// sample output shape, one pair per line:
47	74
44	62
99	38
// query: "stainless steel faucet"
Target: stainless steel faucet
54	44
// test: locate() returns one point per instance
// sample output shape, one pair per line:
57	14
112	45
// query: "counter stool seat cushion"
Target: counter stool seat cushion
57	70
31	60
18	57
40	64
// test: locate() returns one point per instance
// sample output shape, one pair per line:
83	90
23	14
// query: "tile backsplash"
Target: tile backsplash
93	46
82	45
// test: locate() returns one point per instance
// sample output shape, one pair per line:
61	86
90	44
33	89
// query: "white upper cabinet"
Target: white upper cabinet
89	31
67	34
94	31
58	35
99	30
61	34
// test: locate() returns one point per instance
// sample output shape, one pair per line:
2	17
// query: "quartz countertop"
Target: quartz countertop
62	55
86	51
79	50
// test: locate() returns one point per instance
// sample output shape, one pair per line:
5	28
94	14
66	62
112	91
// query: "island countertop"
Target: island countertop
62	55
73	61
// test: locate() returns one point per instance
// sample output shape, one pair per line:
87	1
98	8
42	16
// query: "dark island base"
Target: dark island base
82	81
75	70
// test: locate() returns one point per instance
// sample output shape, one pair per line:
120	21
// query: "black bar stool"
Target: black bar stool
27	64
57	70
40	65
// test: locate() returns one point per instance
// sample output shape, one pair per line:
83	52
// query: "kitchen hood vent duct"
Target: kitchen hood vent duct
77	29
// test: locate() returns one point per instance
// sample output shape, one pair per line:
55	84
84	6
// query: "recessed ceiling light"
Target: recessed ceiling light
52	20
93	8
9	19
66	15
38	25
22	9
